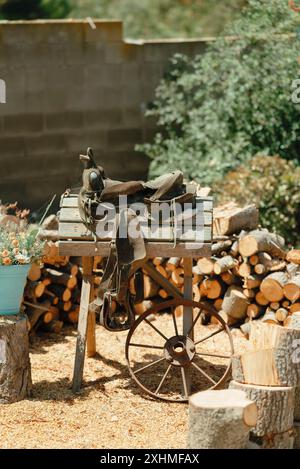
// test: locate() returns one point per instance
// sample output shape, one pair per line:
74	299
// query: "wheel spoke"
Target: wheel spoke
149	364
146	346
163	380
174	322
203	373
213	355
209	336
185	385
194	322
155	328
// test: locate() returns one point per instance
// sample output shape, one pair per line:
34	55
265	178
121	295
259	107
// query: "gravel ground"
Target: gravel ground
110	411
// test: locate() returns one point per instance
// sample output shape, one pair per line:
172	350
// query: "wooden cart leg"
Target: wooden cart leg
86	295
188	311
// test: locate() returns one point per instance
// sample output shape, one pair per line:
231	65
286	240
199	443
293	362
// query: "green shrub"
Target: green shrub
273	184
221	108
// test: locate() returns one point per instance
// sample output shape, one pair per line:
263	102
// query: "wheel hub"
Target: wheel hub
179	350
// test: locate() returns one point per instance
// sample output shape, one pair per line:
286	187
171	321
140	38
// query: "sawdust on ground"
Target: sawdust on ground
109	412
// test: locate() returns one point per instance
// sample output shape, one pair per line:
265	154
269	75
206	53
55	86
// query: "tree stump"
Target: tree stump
275	406
15	370
297	404
297	435
220	419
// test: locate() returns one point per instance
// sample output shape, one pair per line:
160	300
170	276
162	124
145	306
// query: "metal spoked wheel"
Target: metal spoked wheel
169	364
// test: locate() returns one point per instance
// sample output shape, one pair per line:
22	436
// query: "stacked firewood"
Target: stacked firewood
249	276
52	292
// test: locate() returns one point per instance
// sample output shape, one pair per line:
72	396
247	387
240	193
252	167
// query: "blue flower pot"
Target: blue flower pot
12	283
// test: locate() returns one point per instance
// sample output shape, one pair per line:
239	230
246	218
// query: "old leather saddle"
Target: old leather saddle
114	303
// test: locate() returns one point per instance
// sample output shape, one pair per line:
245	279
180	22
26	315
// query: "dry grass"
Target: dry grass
110	411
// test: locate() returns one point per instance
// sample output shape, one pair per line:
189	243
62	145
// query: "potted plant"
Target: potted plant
19	247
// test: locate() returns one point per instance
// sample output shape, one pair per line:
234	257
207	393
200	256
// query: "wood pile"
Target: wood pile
52	293
249	276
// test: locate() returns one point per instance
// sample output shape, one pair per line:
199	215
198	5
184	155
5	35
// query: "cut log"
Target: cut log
221	246
254	311
234	251
218	304
232	219
15	370
284	342
140	308
275	305
61	278
50	315
178	276
262	241
269	317
244	270
72	269
295	308
213	288
252	281
228	278
150	287
35	311
281	314
272	286
158	260
285	304
235	303
291	289
73	316
293	321
230	321
253	260
292	269
34	290
163	294
275	416
212	413
173	263
60	291
261	299
293	256
224	264
197	276
53	326
206	265
249	293
35	272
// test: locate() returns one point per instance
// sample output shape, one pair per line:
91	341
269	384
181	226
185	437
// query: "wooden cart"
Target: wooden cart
178	347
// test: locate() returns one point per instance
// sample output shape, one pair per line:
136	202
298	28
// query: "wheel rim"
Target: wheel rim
153	362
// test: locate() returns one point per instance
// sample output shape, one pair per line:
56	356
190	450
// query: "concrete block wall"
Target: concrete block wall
69	86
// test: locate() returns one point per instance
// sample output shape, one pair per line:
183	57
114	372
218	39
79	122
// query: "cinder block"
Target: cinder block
23	123
114	53
78	142
44	144
124	138
12	146
105	118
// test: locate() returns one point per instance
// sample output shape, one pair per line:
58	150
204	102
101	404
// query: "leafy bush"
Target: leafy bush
273	184
162	18
33	9
221	108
